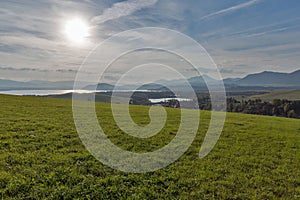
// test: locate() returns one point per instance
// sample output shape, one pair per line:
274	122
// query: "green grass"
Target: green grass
42	157
286	94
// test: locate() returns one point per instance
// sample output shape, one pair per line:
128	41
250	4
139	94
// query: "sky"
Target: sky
241	36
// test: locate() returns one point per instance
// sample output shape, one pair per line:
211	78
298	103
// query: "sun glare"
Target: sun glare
76	30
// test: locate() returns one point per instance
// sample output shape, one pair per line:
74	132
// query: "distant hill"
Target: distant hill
36	85
286	94
19	85
197	82
268	78
9	84
100	86
229	81
153	86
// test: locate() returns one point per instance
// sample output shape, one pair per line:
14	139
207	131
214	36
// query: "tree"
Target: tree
291	114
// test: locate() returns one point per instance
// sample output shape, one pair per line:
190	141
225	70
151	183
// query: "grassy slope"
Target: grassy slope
286	94
41	156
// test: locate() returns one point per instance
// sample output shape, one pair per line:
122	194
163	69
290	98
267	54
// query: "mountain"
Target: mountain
229	81
9	84
100	86
153	86
36	85
201	80
268	78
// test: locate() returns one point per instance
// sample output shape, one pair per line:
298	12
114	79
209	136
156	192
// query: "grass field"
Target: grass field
286	94
42	157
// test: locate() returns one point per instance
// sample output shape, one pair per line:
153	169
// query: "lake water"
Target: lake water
43	92
167	99
58	92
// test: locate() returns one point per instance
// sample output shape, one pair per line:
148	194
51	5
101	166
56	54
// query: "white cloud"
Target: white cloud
265	27
122	9
272	31
230	9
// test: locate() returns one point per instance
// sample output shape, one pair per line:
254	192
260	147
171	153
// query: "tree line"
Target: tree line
277	107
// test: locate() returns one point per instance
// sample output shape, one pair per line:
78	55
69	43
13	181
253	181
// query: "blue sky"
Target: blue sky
242	36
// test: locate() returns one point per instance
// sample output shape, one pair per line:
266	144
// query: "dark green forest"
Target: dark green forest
276	107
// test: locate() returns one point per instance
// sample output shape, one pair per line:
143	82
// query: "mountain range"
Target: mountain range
268	78
263	80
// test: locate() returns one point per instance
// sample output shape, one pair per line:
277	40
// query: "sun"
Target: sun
76	30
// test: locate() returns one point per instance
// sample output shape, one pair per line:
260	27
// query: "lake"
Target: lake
44	92
58	92
168	99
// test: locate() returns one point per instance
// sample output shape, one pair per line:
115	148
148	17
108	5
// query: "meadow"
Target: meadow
42	157
292	95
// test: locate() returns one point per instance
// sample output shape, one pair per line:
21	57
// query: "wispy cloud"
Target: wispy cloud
230	9
272	31
23	69
37	70
122	9
263	27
